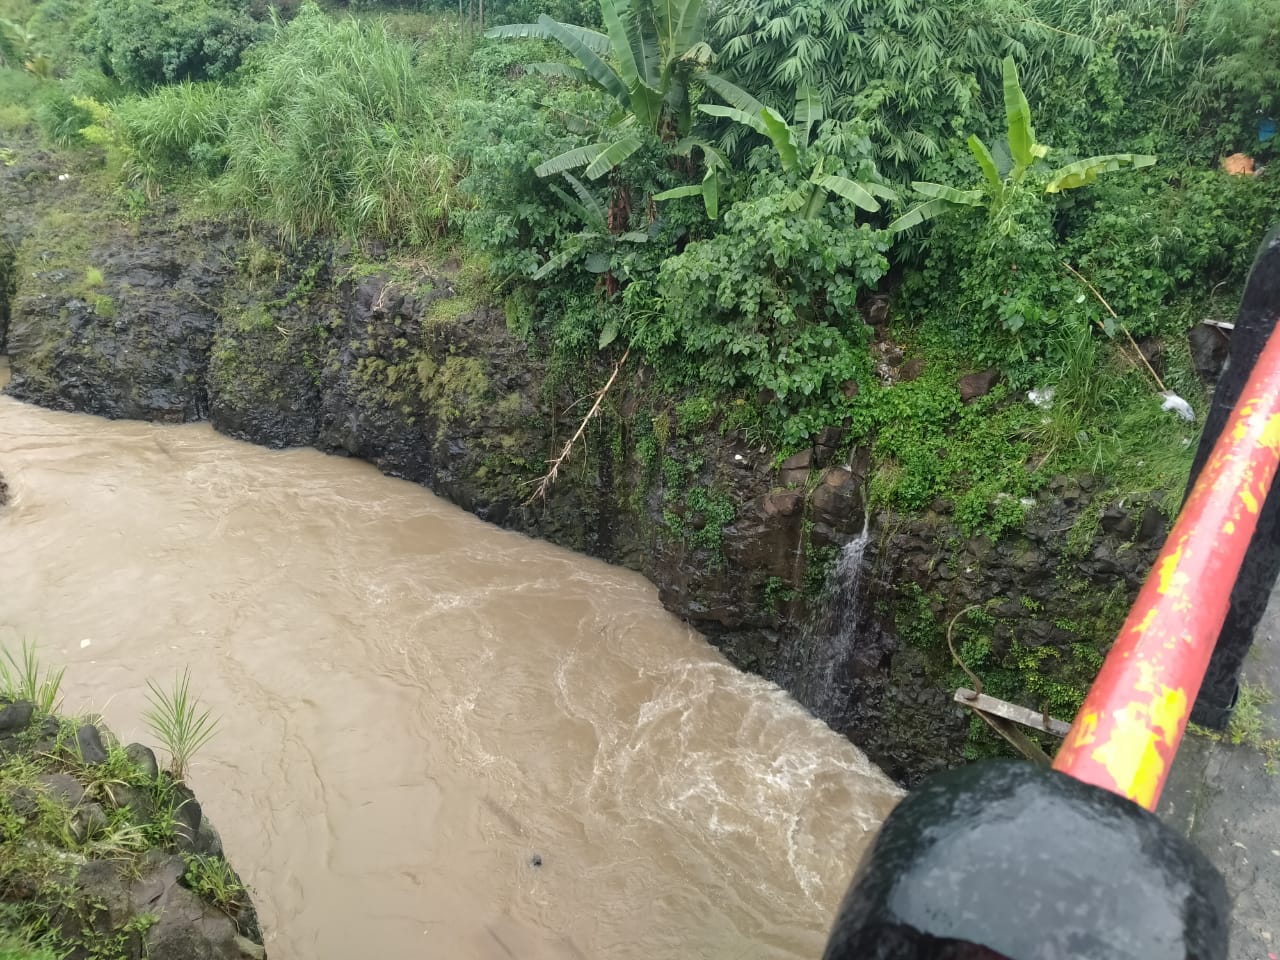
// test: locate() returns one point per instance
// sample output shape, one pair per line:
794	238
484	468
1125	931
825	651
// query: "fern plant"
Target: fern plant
913	70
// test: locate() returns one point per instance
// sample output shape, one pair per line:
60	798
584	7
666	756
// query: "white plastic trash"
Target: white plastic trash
1179	406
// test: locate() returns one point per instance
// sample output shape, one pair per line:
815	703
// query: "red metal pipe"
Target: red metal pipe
1125	736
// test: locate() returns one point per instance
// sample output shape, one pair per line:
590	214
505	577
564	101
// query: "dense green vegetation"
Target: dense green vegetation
723	187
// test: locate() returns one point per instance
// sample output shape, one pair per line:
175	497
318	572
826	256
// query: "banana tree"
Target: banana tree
600	249
1024	153
791	142
658	49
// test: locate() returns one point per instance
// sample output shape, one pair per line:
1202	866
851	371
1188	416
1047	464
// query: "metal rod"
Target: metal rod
1126	734
981	703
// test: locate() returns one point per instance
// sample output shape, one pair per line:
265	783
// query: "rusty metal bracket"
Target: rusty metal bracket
1004	718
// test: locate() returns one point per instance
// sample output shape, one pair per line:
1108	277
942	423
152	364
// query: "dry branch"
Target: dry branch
1136	349
550	476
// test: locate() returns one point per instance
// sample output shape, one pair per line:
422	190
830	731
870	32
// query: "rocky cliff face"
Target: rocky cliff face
409	367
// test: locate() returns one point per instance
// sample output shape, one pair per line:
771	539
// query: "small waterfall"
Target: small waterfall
812	671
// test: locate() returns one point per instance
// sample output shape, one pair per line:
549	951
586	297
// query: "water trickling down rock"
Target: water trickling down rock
813	672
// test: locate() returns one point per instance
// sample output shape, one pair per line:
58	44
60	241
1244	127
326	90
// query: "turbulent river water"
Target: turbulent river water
415	705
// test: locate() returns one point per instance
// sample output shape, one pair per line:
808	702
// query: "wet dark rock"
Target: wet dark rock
187	817
1103	560
977	385
25	802
48	736
208	840
795	469
134	344
1153	351
136	799
89	747
1117	519
90	821
186	927
784	503
837	499
1153	526
878	311
16	716
1209	348
911	370
62	787
144	759
826	445
1068	490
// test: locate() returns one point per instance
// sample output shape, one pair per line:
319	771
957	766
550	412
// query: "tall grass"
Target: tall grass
180	125
336	128
177	721
21	678
1105	417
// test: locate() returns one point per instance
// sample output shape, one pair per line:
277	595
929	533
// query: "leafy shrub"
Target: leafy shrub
929	444
584	12
148	42
994	290
19	94
769	302
15	118
1145	242
63	117
54	28
520	219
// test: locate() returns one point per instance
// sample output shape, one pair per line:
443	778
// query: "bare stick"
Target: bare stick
550	477
1136	349
973	678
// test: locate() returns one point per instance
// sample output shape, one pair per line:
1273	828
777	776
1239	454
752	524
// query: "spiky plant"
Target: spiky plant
22	679
178	723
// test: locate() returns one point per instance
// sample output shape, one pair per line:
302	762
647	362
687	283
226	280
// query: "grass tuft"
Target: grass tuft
214	880
177	721
22	679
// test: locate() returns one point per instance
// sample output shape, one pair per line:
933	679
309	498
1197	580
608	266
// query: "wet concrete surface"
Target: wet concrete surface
1225	796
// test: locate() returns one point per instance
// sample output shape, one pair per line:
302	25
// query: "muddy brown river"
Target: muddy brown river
414	705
